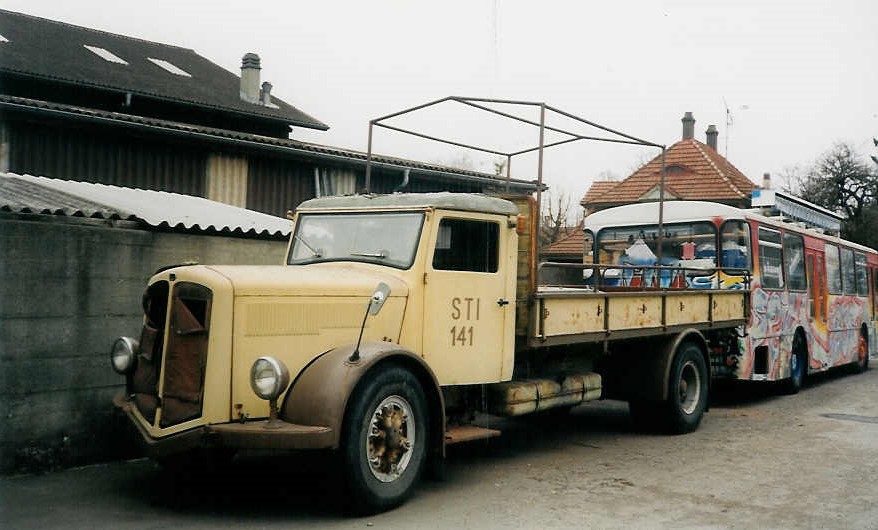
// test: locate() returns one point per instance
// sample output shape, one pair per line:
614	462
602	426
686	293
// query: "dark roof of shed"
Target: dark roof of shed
51	50
210	133
158	209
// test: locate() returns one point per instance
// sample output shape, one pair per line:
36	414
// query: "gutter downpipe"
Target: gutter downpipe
317	182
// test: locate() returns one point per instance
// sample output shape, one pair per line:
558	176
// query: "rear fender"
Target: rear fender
320	394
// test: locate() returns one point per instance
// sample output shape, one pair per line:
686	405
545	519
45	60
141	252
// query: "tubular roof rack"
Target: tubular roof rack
613	136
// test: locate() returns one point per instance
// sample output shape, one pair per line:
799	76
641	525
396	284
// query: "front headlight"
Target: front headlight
269	377
123	356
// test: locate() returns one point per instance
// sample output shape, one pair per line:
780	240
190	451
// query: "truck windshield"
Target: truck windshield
387	238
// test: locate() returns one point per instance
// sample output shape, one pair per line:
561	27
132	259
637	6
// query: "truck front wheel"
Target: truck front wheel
384	439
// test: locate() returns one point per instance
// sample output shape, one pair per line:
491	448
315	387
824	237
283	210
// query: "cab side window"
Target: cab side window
467	245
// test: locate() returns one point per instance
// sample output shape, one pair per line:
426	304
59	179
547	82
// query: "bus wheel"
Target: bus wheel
384	440
862	363
687	390
798	362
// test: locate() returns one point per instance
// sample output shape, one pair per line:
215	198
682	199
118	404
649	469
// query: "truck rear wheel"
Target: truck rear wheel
687	397
687	390
384	439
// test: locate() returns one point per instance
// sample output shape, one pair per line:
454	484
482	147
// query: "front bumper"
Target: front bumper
250	435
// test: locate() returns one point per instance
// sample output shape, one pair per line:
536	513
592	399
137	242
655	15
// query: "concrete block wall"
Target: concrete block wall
68	288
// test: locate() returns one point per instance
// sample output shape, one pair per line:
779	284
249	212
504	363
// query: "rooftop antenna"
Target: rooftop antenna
729	123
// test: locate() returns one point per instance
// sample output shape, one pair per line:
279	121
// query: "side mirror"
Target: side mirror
378	298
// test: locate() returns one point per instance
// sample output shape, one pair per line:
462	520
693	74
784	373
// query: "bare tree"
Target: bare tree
842	181
555	223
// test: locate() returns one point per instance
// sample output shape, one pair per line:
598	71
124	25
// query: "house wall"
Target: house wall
68	288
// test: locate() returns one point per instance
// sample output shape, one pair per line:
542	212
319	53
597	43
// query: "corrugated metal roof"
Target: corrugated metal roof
158	209
212	134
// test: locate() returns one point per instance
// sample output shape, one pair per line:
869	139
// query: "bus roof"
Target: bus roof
674	212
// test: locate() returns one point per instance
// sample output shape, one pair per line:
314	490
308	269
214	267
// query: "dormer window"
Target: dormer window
105	54
170	67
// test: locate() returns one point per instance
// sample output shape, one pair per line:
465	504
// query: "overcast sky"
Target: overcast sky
796	76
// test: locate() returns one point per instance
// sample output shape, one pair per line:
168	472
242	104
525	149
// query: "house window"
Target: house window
105	54
833	272
794	261
770	259
465	245
170	67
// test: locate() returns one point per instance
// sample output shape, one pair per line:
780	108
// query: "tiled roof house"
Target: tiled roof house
693	171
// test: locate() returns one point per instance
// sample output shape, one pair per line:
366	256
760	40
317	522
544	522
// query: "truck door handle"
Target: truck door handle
502	301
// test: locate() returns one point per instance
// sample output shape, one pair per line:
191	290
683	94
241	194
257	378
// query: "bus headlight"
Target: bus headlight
123	356
269	378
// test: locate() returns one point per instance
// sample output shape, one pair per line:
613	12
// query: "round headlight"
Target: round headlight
269	377
124	355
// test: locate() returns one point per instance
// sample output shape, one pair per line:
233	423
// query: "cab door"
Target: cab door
469	298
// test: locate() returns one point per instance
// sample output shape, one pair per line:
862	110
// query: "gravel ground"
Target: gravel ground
758	461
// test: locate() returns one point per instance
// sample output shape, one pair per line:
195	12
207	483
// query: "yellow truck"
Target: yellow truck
395	321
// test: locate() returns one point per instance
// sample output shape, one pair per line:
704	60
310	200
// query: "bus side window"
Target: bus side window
770	262
833	272
794	261
861	271
848	274
735	245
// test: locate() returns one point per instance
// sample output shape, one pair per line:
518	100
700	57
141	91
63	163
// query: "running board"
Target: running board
467	433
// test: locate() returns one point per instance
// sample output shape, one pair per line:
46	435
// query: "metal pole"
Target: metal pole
540	181
661	219
366	188
508	171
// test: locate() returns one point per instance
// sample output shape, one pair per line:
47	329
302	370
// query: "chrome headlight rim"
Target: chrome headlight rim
269	377
123	355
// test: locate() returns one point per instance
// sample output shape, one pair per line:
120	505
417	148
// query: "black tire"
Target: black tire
687	391
387	420
862	362
798	366
645	415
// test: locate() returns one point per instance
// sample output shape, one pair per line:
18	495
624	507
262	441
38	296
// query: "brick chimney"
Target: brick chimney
250	78
711	133
766	181
688	126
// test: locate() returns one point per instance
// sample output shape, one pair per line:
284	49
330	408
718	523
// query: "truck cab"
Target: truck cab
296	356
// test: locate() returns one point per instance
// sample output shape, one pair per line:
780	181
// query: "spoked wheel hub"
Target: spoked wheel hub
391	438
689	388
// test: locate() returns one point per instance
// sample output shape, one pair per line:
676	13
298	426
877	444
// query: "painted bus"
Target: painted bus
813	297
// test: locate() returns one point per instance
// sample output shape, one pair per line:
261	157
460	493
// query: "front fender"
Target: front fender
320	394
